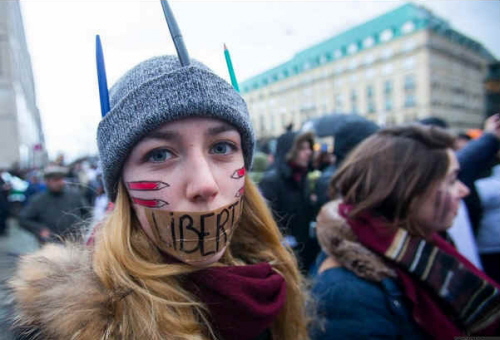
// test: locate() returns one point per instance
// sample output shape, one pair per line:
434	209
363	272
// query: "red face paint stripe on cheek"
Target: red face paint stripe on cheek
240	192
154	203
239	173
147	185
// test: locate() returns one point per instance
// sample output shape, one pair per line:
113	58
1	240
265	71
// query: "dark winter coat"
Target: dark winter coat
57	212
475	159
360	299
289	199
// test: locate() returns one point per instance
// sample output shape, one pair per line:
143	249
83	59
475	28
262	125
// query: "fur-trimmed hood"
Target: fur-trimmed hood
58	296
339	241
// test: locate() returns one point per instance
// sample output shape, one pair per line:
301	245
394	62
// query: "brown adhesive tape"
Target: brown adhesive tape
194	236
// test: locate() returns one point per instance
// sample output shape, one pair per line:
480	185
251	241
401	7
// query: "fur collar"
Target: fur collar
58	296
338	240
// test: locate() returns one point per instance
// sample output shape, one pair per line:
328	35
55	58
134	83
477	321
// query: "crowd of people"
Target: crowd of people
364	241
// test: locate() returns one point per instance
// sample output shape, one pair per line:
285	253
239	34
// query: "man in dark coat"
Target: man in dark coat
4	205
286	188
54	214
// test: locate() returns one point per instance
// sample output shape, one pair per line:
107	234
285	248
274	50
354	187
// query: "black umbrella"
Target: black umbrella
329	124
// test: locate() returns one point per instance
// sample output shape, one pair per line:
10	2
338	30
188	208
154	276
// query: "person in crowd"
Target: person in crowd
4	205
385	273
35	186
259	166
323	158
53	215
346	138
462	140
488	238
190	250
101	201
475	158
286	188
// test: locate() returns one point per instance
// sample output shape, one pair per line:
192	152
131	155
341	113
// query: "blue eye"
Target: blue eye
222	148
158	156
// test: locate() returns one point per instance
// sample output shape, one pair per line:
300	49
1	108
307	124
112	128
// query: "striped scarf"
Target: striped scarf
449	295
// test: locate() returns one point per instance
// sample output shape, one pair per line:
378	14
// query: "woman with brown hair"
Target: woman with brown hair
190	250
384	271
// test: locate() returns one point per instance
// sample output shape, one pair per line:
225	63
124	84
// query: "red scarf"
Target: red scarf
298	171
450	297
243	300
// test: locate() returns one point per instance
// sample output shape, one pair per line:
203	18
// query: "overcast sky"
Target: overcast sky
259	35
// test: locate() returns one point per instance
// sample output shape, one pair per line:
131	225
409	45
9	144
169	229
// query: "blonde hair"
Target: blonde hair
152	301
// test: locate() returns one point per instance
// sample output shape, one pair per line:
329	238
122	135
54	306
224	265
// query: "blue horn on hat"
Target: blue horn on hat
101	77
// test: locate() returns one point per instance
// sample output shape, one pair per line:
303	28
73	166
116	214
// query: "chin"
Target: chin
207	262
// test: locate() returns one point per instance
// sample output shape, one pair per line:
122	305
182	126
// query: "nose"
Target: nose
463	190
201	184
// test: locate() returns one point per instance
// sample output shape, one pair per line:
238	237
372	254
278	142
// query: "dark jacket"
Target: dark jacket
289	199
475	159
322	187
361	298
349	307
57	212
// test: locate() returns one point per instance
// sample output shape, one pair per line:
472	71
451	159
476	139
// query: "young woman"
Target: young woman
385	272
190	250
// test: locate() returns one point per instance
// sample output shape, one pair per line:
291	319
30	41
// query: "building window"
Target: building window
353	48
386	35
409	83
388	103
370	99
369	92
410	99
408	27
388	86
337	53
354	101
371	107
369	42
338	103
388	95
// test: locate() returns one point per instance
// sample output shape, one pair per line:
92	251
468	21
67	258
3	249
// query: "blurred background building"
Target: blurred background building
21	134
402	66
492	87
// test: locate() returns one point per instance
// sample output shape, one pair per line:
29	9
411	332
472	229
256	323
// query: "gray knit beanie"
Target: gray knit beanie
157	91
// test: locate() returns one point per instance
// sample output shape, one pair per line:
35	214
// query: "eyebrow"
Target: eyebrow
163	135
220	129
170	135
